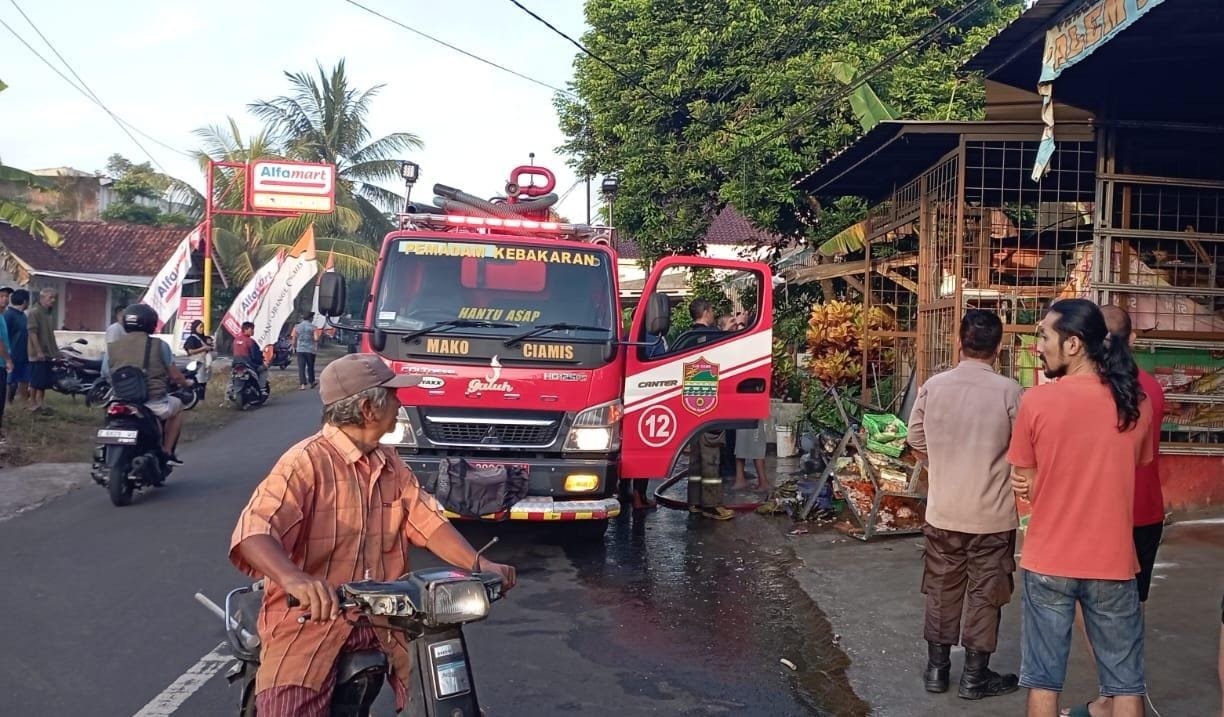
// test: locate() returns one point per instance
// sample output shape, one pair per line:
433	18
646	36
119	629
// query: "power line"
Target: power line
624	76
877	69
83	88
460	50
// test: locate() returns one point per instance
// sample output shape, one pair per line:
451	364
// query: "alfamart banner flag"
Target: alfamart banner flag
167	287
246	304
296	272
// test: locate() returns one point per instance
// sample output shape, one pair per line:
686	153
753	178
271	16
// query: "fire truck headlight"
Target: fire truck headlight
597	429
403	434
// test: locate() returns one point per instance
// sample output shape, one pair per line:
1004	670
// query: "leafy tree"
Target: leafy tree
140	188
718	103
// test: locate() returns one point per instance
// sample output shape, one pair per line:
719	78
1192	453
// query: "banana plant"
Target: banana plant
15	213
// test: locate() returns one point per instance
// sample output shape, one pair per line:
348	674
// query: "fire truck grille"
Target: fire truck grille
466	432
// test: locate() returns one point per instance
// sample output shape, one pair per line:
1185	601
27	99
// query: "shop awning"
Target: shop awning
894	153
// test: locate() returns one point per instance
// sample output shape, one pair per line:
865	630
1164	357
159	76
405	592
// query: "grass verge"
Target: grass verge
66	435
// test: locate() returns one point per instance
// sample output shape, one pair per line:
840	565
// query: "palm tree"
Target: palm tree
244	243
323	119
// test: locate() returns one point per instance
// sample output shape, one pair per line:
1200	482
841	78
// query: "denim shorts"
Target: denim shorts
1112	617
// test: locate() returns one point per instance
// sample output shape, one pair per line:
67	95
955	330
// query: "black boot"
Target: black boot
938	663
978	680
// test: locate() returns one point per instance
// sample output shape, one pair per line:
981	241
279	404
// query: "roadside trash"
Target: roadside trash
788	663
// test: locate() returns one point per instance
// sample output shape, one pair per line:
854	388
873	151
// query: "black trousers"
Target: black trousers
3	393
306	372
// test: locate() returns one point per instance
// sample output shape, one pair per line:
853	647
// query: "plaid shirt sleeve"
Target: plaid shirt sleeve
276	508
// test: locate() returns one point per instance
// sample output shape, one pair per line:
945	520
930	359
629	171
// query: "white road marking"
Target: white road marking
173	697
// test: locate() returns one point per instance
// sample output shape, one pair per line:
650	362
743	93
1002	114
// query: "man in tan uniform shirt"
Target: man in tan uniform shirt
962	420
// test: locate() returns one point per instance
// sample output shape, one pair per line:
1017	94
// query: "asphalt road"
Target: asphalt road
669	615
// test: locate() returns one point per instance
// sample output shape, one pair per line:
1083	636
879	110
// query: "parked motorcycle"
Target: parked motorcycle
282	354
128	456
74	374
244	389
430	606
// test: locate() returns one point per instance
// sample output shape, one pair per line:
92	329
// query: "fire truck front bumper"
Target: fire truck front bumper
551	496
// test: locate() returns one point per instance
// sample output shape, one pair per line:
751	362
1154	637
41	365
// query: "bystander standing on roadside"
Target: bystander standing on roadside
1075	450
42	347
115	331
6	356
306	344
1149	500
15	325
961	423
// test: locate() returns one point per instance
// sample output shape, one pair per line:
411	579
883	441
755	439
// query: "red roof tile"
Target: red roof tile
729	228
97	247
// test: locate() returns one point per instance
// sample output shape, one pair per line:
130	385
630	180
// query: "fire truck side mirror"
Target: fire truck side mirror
658	314
332	294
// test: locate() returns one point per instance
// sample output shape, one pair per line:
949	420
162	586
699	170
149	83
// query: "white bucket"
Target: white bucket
786	442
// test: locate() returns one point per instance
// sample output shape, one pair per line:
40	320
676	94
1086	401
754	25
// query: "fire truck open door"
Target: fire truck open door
701	378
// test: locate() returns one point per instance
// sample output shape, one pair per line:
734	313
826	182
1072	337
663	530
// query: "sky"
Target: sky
172	66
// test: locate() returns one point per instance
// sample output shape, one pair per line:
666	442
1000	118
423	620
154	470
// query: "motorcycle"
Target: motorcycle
74	374
282	355
430	606
244	388
128	456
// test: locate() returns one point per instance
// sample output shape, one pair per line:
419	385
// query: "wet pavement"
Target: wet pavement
671	614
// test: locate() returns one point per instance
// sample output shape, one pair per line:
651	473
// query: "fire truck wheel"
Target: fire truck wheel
588	530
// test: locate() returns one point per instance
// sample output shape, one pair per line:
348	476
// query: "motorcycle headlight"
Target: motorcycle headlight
597	429
404	434
456	602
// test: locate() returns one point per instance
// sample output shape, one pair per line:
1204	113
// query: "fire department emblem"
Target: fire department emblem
699	389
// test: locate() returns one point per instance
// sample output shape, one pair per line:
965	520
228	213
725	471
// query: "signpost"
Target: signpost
274	188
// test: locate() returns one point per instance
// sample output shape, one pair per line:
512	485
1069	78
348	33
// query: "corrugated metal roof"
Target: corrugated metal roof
1017	37
895	152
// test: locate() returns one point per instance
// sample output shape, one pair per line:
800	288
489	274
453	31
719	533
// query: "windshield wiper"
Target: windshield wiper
457	324
541	329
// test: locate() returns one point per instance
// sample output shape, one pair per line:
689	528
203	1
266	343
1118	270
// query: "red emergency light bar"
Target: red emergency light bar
582	232
531	224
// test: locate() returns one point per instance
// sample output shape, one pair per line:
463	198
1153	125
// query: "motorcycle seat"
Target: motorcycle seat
91	365
352	664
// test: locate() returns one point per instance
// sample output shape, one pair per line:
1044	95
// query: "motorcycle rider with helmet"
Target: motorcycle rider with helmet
139	322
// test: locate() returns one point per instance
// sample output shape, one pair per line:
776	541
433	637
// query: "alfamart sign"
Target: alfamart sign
292	186
1080	32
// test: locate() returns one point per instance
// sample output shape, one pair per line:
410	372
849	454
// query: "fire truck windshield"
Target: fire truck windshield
465	286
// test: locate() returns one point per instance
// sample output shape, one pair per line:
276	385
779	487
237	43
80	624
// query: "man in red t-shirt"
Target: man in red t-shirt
1149	500
1075	448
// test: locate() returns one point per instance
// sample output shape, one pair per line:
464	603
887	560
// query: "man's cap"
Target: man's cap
6	290
351	374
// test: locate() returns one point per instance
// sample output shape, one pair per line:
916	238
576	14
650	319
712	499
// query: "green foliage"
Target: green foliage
709	82
139	188
17	214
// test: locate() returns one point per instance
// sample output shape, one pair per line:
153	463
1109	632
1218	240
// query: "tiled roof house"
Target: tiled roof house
93	257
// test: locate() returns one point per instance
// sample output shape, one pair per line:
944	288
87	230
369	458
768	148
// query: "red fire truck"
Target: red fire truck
514	325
